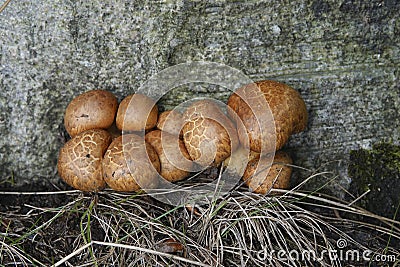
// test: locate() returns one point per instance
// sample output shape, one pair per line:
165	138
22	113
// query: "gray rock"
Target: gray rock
343	57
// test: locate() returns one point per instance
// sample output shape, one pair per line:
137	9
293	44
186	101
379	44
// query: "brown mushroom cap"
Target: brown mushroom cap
288	110
94	109
128	164
171	121
267	176
79	161
208	134
174	158
137	112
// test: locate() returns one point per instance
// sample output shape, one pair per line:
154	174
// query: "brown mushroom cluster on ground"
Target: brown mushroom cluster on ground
128	146
288	116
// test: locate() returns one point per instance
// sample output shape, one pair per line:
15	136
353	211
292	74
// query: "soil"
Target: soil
17	218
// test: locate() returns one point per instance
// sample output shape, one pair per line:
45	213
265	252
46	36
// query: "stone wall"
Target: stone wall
342	56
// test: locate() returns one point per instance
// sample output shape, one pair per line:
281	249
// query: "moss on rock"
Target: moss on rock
377	170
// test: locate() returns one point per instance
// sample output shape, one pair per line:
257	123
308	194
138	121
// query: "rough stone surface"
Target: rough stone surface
342	56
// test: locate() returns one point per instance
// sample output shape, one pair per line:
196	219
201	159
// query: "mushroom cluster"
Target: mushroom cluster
127	147
268	133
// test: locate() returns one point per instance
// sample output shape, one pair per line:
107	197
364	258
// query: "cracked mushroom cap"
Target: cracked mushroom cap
171	121
174	158
80	160
131	164
268	176
208	134
94	109
137	112
288	110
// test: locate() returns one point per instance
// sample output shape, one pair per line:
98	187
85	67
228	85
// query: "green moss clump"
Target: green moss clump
377	170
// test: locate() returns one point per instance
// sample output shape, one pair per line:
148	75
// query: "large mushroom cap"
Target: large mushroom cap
137	112
94	109
260	176
208	134
287	107
174	158
131	164
79	161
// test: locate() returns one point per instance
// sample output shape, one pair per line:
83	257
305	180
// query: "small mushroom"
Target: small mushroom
170	245
80	160
289	114
268	176
131	164
137	112
114	131
174	158
208	134
171	121
237	162
94	109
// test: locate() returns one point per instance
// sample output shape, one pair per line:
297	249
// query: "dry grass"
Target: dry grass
239	229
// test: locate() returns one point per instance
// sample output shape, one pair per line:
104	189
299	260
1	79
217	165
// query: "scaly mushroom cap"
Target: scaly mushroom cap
288	110
267	176
208	134
171	121
174	158
94	109
128	164
80	160
137	112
